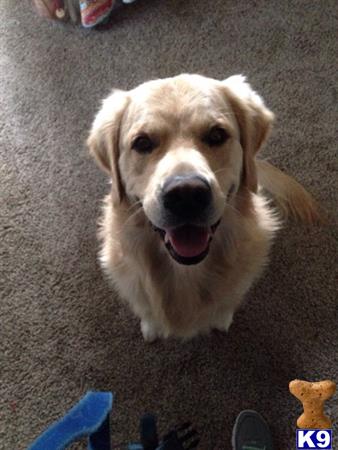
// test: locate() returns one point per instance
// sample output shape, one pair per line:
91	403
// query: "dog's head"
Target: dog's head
184	147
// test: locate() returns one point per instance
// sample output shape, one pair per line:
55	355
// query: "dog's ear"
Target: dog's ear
103	139
254	120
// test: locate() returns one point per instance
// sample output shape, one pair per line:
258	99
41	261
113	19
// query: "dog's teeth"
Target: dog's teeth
166	238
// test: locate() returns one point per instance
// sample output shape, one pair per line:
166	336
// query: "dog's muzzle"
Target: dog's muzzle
186	203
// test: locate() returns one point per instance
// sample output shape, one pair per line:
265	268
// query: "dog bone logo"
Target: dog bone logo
313	396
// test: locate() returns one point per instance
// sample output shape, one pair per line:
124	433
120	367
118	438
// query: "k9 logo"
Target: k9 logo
315	439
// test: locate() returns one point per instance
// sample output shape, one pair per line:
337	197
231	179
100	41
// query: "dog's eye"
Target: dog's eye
143	144
216	136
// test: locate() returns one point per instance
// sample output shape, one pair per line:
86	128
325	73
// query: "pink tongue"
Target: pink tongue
188	240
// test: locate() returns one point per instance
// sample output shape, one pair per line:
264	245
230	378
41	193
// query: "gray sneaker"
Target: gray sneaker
251	432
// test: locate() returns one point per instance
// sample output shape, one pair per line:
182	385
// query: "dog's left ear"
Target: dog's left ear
254	120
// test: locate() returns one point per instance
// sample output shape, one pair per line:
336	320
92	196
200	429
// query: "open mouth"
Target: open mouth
188	244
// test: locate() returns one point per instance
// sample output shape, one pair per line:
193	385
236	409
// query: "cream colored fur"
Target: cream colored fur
169	298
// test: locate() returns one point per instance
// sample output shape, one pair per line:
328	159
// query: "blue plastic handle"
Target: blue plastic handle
89	417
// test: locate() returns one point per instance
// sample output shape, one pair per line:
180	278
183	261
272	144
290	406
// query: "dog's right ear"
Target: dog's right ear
103	140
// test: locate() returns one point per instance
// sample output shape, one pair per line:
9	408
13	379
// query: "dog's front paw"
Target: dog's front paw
224	322
149	331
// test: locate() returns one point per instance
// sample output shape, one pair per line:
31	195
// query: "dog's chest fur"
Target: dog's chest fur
185	300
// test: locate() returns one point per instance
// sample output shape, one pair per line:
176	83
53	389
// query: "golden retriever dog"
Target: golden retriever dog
186	228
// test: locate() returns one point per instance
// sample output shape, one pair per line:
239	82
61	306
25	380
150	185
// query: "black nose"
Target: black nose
186	196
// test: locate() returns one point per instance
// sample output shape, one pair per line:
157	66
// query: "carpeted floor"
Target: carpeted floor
62	332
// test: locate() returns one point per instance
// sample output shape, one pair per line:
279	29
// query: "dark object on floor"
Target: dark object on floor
148	432
181	437
251	432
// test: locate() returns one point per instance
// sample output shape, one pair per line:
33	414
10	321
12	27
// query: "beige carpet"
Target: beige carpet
62	332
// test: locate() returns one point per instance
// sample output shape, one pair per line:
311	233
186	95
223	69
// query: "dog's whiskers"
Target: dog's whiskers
132	216
233	208
138	202
223	169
